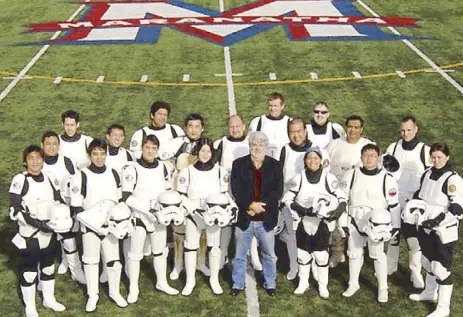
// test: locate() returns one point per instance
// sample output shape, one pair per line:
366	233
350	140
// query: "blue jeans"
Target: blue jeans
266	241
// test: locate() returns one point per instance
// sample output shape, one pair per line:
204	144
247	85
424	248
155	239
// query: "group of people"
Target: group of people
315	186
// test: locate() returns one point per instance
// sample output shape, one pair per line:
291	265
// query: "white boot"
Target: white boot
430	291
114	281
49	300
254	254
225	237
443	304
392	259
160	268
355	266
304	274
63	266
322	281
91	276
147	247
178	256
214	262
104	269
75	267
125	251
190	268
28	293
134	274
381	271
415	268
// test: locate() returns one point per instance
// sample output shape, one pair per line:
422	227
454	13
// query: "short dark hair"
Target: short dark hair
441	147
31	149
354	117
370	146
409	118
276	95
50	134
192	117
150	138
200	143
115	126
159	105
97	143
70	114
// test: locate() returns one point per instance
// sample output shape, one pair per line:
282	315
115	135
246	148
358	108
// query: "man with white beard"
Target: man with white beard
345	156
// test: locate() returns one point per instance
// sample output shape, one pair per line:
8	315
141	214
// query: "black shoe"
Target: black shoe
271	291
235	291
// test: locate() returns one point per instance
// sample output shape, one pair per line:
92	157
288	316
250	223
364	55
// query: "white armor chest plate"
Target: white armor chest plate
59	172
412	167
309	191
100	187
294	163
150	183
431	190
76	151
203	183
320	140
233	150
163	135
117	161
277	133
346	156
367	190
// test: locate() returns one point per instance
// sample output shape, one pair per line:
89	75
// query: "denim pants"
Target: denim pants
266	241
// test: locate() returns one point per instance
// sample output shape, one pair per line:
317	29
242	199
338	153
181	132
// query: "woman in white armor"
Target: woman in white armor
31	194
315	201
196	183
442	191
95	190
142	182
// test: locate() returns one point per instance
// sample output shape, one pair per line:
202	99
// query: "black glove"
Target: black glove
335	214
39	224
431	223
301	211
395	237
234	211
346	231
456	209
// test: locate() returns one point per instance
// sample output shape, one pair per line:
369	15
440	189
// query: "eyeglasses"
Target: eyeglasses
320	112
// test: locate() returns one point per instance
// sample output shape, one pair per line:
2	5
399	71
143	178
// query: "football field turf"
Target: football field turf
305	72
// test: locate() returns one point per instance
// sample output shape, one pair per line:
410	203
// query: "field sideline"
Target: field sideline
420	77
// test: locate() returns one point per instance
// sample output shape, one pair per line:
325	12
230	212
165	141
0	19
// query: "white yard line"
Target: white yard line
439	70
228	73
251	293
34	59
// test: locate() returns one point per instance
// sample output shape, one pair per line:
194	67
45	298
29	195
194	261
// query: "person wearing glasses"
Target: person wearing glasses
320	130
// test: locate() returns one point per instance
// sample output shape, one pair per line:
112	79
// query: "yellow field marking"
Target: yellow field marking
260	83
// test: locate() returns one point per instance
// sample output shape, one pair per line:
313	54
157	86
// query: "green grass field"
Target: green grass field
35	105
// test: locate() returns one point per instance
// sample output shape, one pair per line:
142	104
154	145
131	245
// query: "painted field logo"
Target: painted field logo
142	22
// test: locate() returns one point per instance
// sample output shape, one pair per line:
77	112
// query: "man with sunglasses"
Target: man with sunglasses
320	130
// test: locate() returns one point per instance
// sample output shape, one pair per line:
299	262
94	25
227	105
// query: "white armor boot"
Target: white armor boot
201	265
160	268
392	259
430	291
381	276
28	293
322	272
134	274
178	256
63	266
114	281
415	268
91	275
49	300
214	261
443	303
75	267
304	274
190	268
355	266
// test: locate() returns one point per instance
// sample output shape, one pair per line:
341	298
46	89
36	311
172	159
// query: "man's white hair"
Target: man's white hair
258	137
